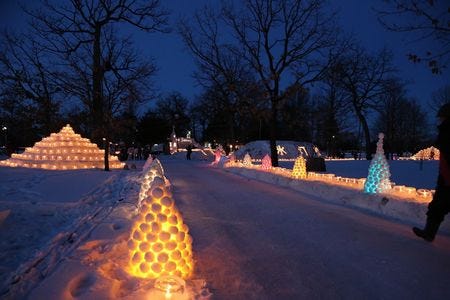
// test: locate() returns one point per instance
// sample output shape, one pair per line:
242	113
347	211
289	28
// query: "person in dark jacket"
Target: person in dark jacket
440	205
189	152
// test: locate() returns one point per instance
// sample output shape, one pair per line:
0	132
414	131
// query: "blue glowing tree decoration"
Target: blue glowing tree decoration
378	179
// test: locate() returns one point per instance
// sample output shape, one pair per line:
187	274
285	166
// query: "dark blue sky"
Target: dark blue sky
176	65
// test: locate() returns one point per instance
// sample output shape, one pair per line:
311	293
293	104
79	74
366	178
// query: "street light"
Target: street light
4	129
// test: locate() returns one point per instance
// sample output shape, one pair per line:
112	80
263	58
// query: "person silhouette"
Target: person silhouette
189	152
440	204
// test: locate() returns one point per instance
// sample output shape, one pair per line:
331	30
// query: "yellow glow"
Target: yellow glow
168	295
61	143
160	243
299	169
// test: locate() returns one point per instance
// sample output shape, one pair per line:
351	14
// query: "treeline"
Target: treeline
267	70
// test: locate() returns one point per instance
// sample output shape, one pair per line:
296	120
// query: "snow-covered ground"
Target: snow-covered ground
254	237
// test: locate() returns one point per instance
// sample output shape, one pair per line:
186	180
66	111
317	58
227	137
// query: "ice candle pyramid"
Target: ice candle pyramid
64	150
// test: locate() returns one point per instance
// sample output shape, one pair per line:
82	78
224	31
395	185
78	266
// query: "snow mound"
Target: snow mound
286	150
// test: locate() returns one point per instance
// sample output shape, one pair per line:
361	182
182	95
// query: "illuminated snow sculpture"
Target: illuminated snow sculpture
160	244
266	162
299	169
280	150
62	151
378	179
247	160
147	164
155	169
431	153
217	156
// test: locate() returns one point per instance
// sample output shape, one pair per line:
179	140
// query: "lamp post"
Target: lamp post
5	132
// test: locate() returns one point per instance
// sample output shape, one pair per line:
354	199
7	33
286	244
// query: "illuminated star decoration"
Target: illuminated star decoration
280	150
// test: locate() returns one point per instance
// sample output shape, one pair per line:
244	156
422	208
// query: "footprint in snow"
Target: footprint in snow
117	226
81	284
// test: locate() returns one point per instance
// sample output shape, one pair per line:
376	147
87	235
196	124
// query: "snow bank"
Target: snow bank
411	210
286	150
71	246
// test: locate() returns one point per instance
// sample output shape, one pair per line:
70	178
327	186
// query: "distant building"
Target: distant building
176	143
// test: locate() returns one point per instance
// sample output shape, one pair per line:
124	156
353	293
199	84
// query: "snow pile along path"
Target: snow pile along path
53	228
91	259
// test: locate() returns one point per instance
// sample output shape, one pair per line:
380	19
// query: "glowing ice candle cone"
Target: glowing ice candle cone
378	178
155	169
266	162
160	243
147	164
299	169
247	160
217	156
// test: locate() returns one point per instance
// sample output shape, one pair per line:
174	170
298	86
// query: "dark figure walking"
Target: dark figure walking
440	205
189	152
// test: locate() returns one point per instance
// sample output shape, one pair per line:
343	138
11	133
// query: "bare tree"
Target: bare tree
362	76
440	97
173	108
79	30
278	39
220	69
26	73
401	119
331	112
425	21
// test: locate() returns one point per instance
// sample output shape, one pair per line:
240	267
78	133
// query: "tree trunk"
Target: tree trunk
231	128
106	158
273	134
97	101
366	131
99	120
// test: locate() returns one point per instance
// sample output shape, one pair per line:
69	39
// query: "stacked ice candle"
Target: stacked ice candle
160	243
299	169
378	179
266	162
62	151
247	162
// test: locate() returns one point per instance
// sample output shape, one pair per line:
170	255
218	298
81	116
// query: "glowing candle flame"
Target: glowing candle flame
168	295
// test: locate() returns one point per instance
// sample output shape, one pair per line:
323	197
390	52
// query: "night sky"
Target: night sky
176	65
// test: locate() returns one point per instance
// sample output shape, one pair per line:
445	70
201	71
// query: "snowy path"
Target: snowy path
253	240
